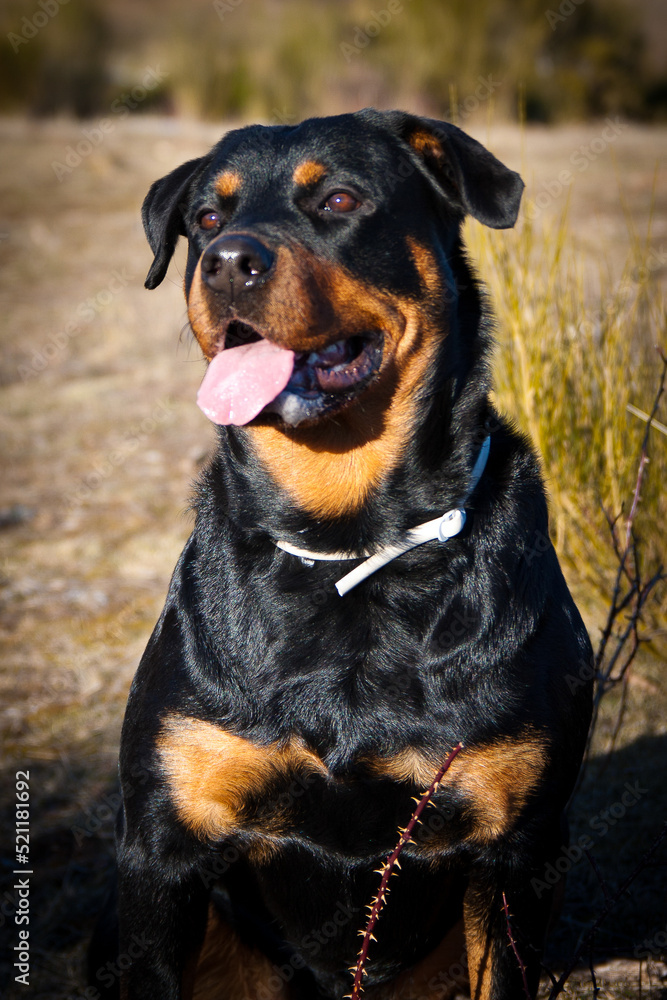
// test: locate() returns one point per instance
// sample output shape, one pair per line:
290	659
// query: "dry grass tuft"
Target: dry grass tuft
576	348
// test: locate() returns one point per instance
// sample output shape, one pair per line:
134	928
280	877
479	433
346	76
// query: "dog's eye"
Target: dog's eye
341	201
210	220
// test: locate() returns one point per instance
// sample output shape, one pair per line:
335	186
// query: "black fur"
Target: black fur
468	641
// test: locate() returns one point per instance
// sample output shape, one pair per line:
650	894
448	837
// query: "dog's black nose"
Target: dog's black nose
239	261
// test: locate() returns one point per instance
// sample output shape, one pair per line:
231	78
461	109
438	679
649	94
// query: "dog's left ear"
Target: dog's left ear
469	177
162	215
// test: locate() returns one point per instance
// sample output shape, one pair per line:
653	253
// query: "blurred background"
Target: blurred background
101	438
566	61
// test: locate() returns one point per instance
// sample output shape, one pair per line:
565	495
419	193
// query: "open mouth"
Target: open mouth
251	376
238	333
323	381
336	368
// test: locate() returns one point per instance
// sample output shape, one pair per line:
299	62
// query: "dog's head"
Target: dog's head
318	269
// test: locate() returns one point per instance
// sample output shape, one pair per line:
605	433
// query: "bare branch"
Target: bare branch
560	985
601	880
514	947
629	594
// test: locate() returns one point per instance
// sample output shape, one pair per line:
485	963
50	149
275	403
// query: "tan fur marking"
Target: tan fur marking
228	184
497	777
330	469
479	945
229	968
210	772
308	172
426	144
427	266
500	778
409	766
480	969
205	325
262	851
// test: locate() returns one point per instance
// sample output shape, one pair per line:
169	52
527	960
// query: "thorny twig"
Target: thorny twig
514	947
386	873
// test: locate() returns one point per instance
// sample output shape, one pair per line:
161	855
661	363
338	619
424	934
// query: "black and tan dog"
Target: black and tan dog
287	708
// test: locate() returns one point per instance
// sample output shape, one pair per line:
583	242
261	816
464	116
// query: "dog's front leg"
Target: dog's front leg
162	911
505	924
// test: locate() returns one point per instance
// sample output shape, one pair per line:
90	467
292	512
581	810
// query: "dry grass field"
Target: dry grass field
101	439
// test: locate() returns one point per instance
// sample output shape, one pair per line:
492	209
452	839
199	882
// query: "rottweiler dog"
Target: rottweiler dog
369	582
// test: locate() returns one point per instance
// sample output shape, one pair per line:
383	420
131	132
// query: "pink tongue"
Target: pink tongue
240	381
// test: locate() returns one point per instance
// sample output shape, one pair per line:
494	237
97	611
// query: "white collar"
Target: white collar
442	528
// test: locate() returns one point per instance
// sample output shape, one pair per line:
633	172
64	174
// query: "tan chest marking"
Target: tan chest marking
211	773
330	469
497	777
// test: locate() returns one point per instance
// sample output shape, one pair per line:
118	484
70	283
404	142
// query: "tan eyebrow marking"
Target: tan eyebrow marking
308	172
228	183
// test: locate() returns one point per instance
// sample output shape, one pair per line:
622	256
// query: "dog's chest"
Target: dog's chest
223	785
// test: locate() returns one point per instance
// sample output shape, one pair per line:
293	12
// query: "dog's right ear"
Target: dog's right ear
162	215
